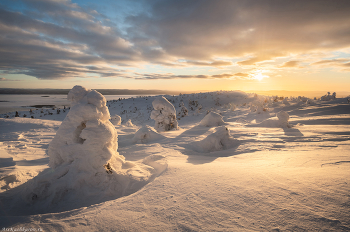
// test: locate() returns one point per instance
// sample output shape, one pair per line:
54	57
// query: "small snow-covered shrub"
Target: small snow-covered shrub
285	101
329	97
258	107
146	134
219	140
310	102
116	120
283	118
183	111
212	119
129	123
164	115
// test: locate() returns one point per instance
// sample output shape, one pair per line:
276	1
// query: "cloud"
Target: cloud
50	51
342	63
5	79
290	64
165	76
51	39
218	63
200	30
240	74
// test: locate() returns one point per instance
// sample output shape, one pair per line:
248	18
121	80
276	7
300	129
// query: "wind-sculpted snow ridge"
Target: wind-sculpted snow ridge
164	114
217	141
85	165
212	119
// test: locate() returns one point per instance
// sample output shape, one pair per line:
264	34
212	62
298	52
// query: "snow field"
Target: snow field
252	174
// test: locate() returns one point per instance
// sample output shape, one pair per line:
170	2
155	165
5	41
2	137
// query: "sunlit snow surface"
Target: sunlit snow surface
269	176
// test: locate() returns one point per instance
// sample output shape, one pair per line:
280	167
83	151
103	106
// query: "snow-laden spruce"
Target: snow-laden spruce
212	119
164	115
85	165
219	140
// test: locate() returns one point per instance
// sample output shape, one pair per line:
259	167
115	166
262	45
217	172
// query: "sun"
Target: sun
258	75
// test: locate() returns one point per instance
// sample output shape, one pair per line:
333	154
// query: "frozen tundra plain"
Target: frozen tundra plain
217	161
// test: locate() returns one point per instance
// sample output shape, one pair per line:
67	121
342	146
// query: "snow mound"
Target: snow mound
116	120
146	134
285	101
164	115
212	119
85	165
129	123
283	118
311	102
217	141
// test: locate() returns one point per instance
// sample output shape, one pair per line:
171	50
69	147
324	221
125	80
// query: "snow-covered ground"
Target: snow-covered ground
255	163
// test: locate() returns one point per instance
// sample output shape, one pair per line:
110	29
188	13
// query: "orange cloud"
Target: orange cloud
290	64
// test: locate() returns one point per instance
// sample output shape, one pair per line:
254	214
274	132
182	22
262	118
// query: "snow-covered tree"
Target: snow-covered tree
283	118
164	115
83	157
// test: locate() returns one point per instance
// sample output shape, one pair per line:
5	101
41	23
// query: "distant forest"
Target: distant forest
102	91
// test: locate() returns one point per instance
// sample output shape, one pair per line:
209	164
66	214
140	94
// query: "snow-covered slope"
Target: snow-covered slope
278	164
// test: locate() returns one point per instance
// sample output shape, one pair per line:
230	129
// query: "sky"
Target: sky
176	44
